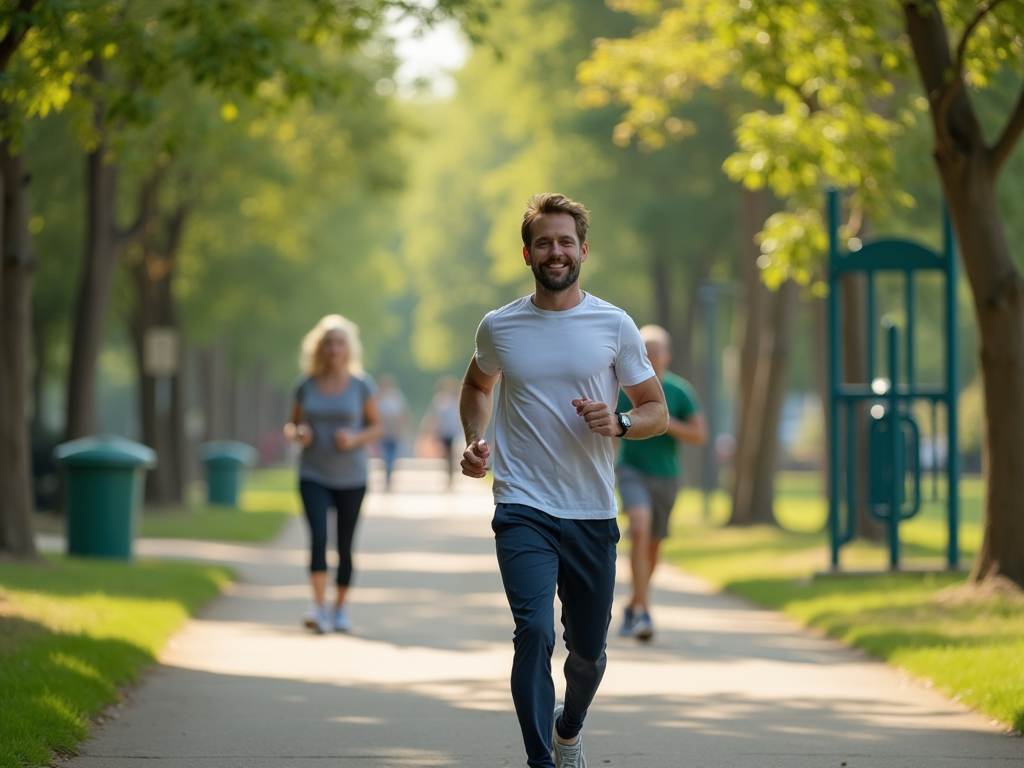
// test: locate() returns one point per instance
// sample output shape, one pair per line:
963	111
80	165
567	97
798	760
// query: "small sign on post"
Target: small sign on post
160	351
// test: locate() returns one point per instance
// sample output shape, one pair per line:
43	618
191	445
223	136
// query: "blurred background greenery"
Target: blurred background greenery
241	172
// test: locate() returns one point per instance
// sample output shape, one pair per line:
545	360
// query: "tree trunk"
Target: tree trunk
754	492
216	398
855	371
682	334
93	295
969	170
787	306
998	292
661	287
16	498
756	298
105	244
160	398
40	344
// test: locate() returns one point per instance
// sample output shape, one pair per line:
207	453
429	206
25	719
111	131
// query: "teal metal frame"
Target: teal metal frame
891	404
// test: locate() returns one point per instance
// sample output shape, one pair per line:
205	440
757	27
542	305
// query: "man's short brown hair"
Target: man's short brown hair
552	202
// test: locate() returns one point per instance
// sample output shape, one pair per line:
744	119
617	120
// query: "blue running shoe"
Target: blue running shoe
342	623
643	629
628	622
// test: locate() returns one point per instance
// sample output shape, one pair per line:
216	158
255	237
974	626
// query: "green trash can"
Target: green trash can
226	462
103	493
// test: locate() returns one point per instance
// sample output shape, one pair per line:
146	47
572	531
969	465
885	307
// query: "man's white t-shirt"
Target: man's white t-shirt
545	455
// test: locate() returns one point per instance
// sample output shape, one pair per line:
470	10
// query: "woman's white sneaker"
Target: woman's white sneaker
317	620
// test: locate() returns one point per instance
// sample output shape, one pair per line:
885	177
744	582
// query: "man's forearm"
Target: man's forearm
475	411
648	419
693	431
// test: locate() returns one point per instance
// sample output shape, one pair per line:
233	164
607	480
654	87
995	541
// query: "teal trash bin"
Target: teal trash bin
103	484
226	462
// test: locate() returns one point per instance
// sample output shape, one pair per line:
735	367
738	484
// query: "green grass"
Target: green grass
973	651
269	498
75	631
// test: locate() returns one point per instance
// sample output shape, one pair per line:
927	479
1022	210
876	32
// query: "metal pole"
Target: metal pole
707	297
895	435
953	391
833	372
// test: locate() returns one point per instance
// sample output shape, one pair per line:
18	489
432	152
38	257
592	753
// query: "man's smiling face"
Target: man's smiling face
555	252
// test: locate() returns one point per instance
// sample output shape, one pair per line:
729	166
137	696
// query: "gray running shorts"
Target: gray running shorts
656	493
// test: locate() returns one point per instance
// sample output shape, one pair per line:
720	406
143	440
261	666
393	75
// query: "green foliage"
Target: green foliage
514	128
824	92
75	631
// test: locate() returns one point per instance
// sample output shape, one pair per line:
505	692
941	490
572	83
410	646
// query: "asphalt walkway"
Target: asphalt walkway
423	679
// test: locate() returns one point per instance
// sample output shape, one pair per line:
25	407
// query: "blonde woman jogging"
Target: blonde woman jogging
334	416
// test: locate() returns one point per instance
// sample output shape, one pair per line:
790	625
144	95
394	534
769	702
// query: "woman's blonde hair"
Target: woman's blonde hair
311	359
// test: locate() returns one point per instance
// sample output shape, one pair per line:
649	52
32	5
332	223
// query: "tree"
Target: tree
838	75
16	24
656	232
105	64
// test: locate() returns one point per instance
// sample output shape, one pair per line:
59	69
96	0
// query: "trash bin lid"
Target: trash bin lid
228	452
105	451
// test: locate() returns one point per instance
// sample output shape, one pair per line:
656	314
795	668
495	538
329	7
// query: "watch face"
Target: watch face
625	420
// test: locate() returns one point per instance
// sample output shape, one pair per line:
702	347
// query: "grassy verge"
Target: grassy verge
72	632
268	500
973	651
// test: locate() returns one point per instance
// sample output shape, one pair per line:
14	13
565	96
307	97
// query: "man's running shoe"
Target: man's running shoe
566	755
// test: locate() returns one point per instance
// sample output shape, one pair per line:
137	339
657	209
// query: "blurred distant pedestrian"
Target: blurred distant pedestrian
394	416
648	475
561	355
335	415
442	420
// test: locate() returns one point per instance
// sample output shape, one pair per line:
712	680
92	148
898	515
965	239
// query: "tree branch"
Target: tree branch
957	84
1008	138
15	32
123	238
176	229
983	11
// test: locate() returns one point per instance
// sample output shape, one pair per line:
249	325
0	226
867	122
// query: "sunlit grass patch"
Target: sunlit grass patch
269	497
972	651
214	523
72	632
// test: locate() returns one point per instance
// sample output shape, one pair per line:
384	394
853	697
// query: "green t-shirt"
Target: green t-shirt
658	455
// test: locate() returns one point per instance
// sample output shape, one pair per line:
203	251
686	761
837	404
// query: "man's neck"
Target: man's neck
557	301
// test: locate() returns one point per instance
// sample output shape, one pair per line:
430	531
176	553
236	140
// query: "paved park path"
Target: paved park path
423	680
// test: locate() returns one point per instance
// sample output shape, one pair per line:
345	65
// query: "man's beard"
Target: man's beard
556	284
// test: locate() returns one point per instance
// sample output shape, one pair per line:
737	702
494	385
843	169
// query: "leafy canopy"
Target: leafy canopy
819	91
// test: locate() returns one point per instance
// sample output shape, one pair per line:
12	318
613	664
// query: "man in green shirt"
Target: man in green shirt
648	477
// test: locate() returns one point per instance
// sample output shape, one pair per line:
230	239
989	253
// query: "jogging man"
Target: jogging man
561	355
648	475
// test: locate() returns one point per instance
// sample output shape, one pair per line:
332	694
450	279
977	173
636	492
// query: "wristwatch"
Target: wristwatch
624	422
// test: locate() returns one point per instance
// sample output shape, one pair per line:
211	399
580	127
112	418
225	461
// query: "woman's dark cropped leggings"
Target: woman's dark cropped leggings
317	499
